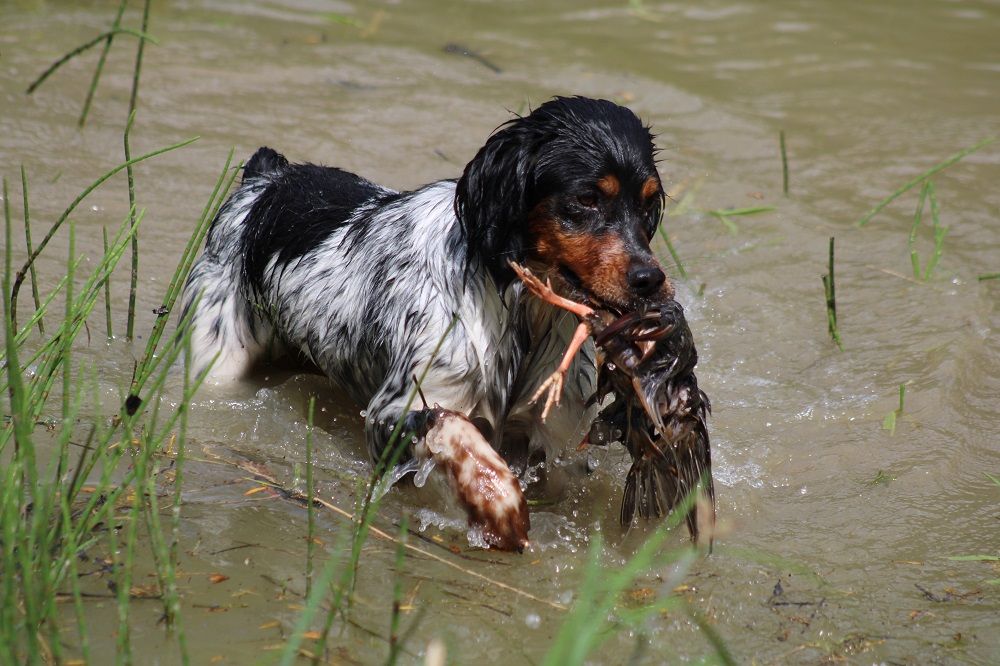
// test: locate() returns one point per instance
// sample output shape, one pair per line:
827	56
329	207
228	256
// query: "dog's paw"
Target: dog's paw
483	483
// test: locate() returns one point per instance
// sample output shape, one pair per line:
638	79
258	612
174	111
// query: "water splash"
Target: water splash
424	470
397	473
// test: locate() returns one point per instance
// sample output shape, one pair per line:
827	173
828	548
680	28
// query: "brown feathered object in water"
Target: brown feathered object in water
646	359
658	413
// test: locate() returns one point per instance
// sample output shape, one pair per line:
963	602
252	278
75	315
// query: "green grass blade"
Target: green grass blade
939	232
27	243
107	291
716	641
19	276
81	49
132	108
397	595
310	494
910	184
148	363
673	253
313	601
134	273
914	228
784	163
100	65
829	289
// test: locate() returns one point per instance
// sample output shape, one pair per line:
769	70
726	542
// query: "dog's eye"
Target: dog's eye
587	200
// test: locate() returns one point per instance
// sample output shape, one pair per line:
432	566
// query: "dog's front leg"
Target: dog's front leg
483	483
480	479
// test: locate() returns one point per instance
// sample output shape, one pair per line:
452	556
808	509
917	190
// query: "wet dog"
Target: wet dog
372	286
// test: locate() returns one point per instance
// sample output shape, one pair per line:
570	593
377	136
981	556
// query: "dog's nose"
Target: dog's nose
645	279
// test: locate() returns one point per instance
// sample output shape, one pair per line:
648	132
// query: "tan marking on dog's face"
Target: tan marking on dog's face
650	188
609	186
599	261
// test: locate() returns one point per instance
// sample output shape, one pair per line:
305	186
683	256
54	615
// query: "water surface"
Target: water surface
868	95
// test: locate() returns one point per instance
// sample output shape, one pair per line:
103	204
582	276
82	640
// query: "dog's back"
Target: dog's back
280	212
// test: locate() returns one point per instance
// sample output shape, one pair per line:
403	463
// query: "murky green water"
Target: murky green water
868	96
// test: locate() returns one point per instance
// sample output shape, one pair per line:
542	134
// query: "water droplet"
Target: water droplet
533	620
612	367
363	413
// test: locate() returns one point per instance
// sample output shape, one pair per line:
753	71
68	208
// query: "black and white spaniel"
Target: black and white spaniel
364	283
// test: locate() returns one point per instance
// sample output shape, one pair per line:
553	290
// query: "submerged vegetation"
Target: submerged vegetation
829	289
889	422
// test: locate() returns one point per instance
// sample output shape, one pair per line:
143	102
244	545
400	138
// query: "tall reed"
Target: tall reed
50	509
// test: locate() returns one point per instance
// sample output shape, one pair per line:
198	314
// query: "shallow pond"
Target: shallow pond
856	522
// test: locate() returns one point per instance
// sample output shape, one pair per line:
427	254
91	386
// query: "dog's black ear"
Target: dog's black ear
492	199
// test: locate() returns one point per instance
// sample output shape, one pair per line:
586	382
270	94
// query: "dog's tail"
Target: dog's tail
265	162
228	332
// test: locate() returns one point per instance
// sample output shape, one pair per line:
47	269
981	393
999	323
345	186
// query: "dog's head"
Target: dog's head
571	188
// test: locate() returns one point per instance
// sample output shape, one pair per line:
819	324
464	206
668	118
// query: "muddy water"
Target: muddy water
867	96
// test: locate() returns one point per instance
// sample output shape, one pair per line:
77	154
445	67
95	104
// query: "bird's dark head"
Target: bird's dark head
572	189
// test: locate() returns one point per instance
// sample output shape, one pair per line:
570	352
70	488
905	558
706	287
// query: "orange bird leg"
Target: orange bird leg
545	292
554	383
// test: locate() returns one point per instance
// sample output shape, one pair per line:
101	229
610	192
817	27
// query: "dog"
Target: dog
374	287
